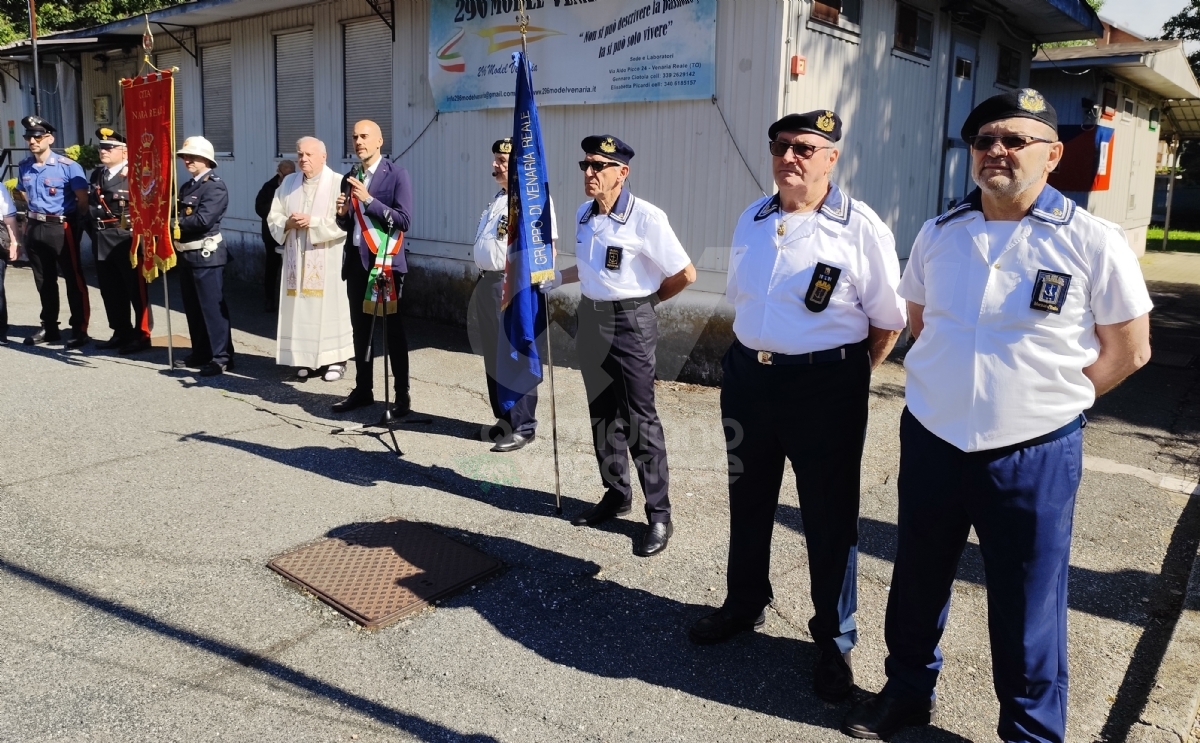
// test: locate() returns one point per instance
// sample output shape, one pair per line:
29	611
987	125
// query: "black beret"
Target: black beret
606	145
502	146
110	136
1025	103
37	125
823	122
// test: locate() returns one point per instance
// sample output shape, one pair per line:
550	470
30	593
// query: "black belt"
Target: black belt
619	305
50	218
108	224
767	358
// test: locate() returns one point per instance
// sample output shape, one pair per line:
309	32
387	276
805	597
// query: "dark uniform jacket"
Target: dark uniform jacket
392	193
262	207
108	209
201	206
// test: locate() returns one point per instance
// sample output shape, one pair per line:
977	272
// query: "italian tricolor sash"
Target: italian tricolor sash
379	242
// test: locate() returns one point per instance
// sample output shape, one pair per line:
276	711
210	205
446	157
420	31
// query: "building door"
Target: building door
956	164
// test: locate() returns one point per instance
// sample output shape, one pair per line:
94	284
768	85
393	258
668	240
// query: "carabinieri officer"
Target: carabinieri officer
121	284
1025	308
627	261
812	279
517	426
56	191
202	258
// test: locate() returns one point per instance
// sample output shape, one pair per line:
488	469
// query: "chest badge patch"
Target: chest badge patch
1050	291
820	289
612	258
187	210
502	227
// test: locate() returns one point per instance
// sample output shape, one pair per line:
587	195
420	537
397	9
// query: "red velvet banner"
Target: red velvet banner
150	131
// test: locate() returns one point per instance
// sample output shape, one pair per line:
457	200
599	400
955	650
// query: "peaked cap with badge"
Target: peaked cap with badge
110	137
1025	103
36	125
606	145
823	122
502	146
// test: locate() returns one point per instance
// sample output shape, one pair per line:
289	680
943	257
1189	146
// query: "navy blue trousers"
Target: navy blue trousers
3	298
207	315
485	316
816	416
1021	502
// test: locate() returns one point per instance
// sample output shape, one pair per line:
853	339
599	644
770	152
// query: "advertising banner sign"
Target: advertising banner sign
603	51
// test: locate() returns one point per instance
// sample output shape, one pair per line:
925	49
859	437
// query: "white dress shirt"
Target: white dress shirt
626	253
366	181
770	276
491	248
990	370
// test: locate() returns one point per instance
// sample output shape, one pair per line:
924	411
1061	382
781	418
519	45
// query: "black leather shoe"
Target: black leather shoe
881	716
512	442
355	401
833	677
212	369
656	539
722	625
115	342
41	338
78	340
400	408
499	430
601	512
137	345
191	362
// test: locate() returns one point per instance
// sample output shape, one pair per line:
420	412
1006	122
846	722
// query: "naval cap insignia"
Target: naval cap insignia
106	132
608	145
1032	101
825	121
505	148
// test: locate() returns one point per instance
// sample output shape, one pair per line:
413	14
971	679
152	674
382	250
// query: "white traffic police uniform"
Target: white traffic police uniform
1010	316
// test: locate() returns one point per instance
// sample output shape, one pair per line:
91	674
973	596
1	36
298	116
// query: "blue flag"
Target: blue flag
530	253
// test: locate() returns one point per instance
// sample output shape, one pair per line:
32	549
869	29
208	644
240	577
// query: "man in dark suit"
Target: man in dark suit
274	260
379	191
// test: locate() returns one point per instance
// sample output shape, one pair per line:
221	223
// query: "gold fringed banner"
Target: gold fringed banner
150	131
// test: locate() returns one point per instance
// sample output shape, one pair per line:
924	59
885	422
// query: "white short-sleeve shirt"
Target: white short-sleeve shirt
626	253
491	247
1000	359
779	284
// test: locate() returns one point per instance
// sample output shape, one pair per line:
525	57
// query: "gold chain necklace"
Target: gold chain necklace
781	230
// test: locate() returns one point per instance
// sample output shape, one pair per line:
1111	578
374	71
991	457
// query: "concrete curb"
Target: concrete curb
1171	709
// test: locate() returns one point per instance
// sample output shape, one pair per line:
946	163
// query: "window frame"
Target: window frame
1015	57
837	25
204	107
289	151
921	15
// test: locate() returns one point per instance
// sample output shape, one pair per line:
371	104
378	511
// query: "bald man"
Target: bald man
374	209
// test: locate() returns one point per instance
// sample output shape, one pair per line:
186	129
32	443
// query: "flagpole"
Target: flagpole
523	24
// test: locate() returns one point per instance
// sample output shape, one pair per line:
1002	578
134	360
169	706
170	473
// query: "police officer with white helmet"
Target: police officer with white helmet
812	278
202	257
1025	308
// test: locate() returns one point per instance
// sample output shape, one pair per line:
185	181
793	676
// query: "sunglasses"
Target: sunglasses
1010	142
107	146
802	151
596	165
34	137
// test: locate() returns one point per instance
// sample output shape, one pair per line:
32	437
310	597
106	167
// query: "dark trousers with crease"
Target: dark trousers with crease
122	288
521	418
815	416
360	321
1021	501
53	250
3	297
616	344
207	315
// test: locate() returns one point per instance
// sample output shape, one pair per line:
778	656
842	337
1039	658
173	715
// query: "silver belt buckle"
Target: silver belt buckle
764	357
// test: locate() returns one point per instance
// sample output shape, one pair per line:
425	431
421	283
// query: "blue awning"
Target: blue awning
1038	20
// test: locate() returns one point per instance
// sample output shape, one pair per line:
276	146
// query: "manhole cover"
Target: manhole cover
385	571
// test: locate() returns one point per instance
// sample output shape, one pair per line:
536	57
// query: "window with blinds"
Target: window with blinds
216	78
367	78
167	60
294	117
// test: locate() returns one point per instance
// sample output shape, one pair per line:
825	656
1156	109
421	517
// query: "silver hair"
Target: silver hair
320	144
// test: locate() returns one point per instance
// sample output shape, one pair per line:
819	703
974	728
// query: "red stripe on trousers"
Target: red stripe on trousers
73	253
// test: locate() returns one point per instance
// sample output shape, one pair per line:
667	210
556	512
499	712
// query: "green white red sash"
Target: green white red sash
379	241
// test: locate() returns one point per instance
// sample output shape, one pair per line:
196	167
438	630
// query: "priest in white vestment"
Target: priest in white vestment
314	315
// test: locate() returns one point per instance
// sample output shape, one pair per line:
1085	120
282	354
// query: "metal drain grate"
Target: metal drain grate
382	572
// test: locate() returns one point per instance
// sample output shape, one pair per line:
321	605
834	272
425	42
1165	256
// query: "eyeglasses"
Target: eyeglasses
1010	142
802	150
596	165
107	146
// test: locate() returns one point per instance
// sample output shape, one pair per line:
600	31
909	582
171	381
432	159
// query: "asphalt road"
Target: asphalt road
138	509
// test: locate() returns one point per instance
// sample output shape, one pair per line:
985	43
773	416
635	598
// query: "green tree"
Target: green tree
57	15
1186	25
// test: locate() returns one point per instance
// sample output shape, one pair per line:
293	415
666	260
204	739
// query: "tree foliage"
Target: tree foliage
57	15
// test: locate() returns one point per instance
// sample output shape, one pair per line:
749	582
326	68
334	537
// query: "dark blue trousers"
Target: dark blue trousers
1021	501
3	298
816	416
207	314
485	316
